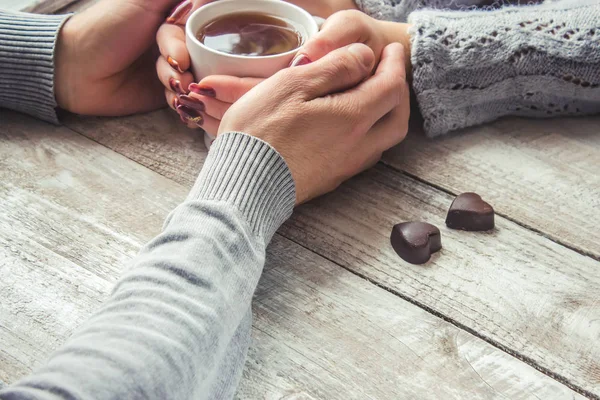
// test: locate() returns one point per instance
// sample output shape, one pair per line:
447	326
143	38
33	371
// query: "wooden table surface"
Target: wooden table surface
511	314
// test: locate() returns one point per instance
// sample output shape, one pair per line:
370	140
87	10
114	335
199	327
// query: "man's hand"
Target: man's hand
104	63
329	119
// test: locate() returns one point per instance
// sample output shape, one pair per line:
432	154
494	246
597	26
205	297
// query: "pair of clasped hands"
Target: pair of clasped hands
330	117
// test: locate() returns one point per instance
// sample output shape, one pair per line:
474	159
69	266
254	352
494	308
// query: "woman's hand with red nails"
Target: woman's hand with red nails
329	119
217	93
105	58
174	63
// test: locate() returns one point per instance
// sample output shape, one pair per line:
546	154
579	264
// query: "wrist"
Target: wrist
64	65
398	32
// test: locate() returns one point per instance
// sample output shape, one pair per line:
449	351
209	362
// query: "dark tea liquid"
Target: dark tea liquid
250	34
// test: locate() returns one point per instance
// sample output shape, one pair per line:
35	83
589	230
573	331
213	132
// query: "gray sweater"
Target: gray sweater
177	325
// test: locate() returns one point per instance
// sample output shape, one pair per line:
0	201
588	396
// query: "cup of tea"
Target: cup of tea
246	38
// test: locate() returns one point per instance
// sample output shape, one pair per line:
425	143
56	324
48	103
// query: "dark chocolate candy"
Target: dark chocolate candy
469	212
416	241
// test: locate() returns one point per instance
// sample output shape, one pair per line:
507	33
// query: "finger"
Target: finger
337	71
211	126
341	29
225	88
390	130
382	92
182	11
171	42
192	118
171	99
172	79
173	102
212	107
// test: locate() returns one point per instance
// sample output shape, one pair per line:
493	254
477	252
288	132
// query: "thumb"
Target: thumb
337	71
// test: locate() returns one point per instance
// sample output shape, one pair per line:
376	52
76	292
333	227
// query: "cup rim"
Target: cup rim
192	36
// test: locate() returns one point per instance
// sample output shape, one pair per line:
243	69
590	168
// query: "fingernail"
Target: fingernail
176	86
362	52
175	102
203	90
300	59
189	114
174	64
192	102
179	12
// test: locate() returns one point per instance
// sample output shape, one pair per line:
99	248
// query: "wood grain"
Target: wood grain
74	212
47	6
543	174
14	5
515	288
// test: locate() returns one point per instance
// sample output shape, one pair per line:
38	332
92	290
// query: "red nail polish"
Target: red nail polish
179	12
174	64
300	59
203	90
189	114
192	102
176	86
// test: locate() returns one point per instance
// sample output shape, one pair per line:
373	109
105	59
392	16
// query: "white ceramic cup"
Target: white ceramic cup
206	61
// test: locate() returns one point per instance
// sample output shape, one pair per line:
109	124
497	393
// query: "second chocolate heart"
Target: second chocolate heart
469	212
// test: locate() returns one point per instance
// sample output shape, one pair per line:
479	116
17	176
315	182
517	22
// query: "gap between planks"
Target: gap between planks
177	188
500	214
429	309
565	381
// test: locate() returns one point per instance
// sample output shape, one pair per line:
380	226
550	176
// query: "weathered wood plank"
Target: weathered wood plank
74	212
156	140
76	6
517	289
543	174
47	6
364	343
513	287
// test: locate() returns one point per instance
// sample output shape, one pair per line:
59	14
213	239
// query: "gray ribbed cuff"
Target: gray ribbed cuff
27	43
249	174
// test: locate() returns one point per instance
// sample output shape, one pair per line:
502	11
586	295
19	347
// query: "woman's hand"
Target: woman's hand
346	27
215	94
206	104
104	58
329	119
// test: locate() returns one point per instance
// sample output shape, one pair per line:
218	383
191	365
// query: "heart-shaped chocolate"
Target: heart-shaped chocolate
415	242
469	212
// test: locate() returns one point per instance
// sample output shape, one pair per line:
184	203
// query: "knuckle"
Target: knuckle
350	110
348	16
344	69
324	43
393	89
287	81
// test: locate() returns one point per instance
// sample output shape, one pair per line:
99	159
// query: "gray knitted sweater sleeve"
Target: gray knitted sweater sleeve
474	66
178	323
27	63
